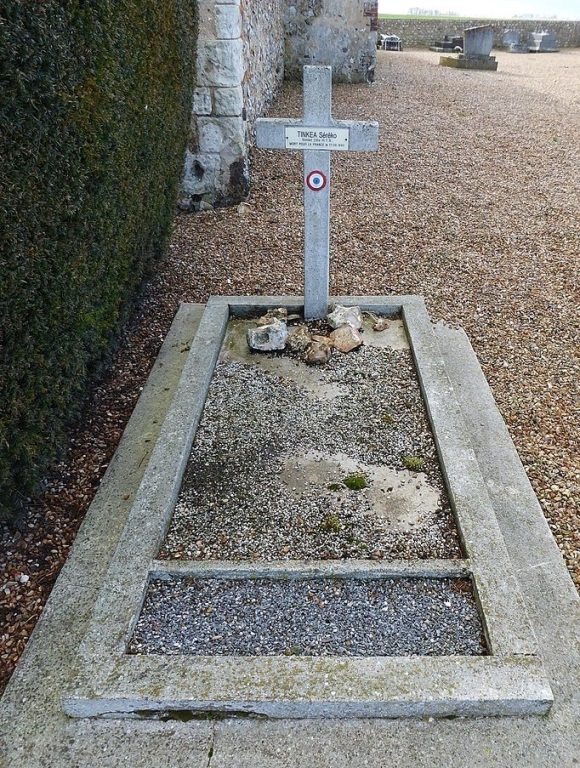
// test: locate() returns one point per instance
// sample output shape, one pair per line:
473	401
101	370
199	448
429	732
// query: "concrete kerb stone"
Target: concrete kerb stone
30	708
502	606
511	681
551	598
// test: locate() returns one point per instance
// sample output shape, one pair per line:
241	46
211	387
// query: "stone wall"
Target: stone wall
422	33
243	49
263	41
239	69
335	32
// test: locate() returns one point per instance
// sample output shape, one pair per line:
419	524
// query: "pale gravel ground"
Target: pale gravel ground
472	201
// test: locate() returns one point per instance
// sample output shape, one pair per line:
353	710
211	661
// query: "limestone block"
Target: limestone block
268	338
220	63
217	133
199	173
229	101
202	101
207	29
228	22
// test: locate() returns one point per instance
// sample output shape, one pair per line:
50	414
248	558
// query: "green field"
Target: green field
427	18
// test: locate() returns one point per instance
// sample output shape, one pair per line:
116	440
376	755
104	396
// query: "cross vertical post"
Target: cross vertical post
317	112
316	135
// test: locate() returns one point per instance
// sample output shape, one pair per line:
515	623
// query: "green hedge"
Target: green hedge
95	99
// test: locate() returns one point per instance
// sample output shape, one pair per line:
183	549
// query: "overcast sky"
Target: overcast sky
491	9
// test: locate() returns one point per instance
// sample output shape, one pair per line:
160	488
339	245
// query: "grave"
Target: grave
507	678
477	45
542	42
430	581
449	44
511	40
390	43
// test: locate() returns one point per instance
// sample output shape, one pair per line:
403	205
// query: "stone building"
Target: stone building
245	48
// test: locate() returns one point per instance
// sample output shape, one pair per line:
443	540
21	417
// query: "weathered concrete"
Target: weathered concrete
510	681
35	732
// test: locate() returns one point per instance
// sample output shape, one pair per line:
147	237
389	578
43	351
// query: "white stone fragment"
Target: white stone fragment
345	316
268	338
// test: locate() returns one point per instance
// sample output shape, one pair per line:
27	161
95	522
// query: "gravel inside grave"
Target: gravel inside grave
317	617
258	425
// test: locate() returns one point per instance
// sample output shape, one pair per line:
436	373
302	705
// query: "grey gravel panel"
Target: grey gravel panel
309	617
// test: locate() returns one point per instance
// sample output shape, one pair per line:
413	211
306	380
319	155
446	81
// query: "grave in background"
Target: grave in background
511	40
477	45
543	42
449	44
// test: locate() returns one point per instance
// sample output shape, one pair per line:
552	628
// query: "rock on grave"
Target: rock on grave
299	338
318	351
346	338
268	338
345	316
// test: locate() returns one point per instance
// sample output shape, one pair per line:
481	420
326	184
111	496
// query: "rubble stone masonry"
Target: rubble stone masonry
245	47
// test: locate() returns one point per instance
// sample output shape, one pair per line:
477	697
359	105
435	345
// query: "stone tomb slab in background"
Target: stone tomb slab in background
508	681
477	45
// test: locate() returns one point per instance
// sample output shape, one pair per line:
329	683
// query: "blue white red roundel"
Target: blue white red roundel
316	181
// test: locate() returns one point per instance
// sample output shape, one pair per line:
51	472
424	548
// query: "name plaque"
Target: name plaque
305	138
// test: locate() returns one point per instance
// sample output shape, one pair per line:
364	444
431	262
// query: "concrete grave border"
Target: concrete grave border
510	681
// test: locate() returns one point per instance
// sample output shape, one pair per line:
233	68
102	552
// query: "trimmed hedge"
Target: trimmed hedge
95	101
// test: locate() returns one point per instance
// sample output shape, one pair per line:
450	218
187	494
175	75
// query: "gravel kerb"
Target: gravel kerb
314	617
265	477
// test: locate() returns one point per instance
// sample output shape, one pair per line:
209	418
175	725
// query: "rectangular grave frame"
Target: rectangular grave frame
510	681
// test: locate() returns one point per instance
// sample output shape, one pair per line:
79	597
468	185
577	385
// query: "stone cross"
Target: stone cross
317	135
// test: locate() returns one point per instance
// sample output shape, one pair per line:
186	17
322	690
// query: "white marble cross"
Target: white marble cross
317	135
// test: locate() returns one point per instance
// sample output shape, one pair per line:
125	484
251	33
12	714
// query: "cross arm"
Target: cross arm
270	131
363	136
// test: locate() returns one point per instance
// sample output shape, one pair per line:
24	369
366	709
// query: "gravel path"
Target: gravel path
472	201
316	617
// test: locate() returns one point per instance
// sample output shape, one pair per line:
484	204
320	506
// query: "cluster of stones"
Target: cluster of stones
277	330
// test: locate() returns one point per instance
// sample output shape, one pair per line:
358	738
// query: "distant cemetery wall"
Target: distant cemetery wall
423	32
96	99
341	33
240	66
